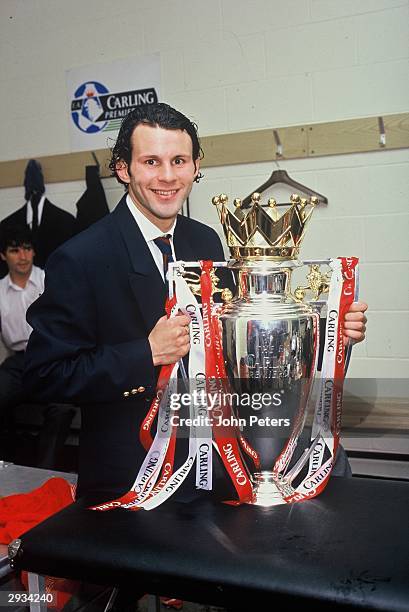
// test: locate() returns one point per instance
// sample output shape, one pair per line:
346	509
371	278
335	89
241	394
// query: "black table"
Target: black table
348	547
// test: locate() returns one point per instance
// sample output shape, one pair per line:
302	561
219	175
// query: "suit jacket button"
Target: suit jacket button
134	391
141	389
126	393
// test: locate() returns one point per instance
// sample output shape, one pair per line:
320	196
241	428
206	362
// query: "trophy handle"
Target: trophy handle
317	283
193	278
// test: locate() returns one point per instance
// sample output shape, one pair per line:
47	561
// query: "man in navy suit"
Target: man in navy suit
100	331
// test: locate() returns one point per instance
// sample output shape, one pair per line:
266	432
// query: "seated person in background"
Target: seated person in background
23	284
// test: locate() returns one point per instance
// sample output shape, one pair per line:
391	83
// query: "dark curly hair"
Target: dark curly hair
161	115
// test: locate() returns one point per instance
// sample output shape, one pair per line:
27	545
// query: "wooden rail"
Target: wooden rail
302	141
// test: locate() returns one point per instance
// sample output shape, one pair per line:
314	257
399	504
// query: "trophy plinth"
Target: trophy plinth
266	492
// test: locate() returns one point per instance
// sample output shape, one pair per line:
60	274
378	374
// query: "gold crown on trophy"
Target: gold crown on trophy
260	232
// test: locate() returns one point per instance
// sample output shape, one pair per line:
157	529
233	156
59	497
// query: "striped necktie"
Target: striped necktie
163	244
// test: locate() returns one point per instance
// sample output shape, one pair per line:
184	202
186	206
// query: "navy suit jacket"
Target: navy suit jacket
103	295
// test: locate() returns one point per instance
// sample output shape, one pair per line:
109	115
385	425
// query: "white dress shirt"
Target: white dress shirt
150	232
29	218
14	302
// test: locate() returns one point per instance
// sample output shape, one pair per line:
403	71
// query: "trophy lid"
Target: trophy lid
261	232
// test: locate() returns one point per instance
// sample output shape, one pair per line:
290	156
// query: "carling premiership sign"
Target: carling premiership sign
100	96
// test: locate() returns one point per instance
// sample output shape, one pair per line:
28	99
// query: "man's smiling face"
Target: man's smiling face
161	173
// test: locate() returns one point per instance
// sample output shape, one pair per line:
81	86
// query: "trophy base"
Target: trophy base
266	492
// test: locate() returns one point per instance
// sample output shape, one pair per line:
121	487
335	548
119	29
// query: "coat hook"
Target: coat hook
382	134
279	149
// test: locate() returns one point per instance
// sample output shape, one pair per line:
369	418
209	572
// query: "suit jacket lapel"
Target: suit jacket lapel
45	226
145	280
20	216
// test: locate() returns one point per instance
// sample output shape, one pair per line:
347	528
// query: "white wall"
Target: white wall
232	66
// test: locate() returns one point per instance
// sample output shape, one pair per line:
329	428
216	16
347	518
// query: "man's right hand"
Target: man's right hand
169	339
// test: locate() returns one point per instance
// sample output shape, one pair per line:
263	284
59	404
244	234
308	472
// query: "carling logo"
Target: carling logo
95	109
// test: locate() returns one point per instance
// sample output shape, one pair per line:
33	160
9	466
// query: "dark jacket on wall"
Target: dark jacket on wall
56	227
92	205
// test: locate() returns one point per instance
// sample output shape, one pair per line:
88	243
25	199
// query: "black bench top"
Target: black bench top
348	547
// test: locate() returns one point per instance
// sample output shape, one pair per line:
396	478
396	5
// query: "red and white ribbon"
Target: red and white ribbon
327	416
186	302
224	435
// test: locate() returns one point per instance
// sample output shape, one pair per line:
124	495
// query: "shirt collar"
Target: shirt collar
148	229
33	279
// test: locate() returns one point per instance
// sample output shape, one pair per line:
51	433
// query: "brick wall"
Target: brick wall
233	65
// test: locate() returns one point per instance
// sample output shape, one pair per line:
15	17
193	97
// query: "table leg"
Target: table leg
153	603
36	586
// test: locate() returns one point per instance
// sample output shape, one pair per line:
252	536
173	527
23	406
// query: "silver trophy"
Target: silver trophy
270	343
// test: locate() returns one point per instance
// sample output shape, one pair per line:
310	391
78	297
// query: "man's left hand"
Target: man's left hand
355	323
